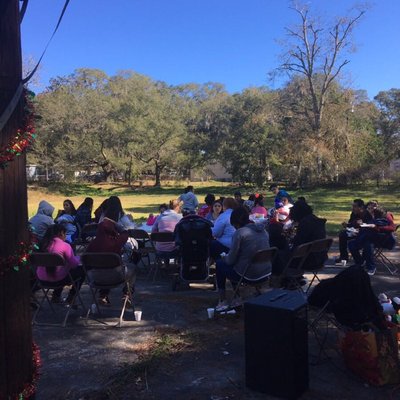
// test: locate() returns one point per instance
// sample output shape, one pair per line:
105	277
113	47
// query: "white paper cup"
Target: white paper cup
210	312
344	262
138	316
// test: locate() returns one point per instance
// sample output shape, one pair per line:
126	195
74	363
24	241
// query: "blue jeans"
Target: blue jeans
364	241
225	271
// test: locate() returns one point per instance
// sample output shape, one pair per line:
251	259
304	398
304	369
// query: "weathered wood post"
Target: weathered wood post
15	315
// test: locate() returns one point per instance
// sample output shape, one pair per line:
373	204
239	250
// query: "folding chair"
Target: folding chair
145	245
317	247
160	237
293	270
86	234
51	261
105	271
260	257
381	257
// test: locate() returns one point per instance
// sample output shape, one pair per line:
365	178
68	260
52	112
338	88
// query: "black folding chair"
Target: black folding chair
52	261
293	270
145	245
106	271
318	250
260	257
381	258
160	237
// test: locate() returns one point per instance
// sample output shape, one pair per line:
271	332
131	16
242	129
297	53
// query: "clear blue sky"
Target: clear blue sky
233	42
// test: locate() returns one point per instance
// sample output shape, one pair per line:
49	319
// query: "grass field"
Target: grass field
334	204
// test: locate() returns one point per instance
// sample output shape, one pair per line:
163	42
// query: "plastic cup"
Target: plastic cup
138	316
210	312
344	262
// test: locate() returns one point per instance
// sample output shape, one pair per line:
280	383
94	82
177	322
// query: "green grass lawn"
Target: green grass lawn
334	204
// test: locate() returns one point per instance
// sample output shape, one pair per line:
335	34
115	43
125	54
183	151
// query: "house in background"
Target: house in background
215	171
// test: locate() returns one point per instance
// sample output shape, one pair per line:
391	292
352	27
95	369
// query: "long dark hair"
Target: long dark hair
114	209
71	204
87	203
52	232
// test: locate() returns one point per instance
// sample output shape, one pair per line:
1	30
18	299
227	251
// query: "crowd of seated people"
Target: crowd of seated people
239	228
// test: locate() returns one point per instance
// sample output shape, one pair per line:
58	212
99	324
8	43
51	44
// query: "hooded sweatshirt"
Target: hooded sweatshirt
246	241
43	219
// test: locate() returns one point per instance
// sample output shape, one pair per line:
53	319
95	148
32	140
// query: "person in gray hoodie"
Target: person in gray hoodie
246	241
43	219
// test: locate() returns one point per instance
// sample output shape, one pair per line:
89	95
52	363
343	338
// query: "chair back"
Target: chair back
48	260
103	270
264	256
101	260
162	237
138	234
294	266
318	246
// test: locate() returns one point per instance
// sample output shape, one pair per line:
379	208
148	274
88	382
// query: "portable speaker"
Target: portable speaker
276	343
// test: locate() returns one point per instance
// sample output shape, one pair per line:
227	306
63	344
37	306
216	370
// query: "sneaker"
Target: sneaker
104	301
222	306
371	271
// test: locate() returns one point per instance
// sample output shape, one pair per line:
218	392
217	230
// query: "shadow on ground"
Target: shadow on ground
175	352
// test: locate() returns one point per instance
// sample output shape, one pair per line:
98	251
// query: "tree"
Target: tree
388	124
317	53
150	122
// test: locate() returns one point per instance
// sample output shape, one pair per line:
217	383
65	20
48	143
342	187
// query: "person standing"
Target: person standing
189	199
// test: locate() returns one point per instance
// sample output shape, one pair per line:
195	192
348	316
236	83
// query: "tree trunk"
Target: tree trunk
130	172
157	173
15	315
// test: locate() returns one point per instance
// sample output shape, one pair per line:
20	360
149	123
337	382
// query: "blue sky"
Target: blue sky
233	42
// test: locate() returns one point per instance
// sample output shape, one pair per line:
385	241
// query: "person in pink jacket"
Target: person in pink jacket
54	242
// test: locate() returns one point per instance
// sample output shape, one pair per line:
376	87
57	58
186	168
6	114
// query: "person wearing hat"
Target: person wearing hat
238	198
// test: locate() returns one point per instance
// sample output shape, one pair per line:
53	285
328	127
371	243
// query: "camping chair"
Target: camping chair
317	247
260	257
293	270
381	257
105	271
51	261
160	237
145	245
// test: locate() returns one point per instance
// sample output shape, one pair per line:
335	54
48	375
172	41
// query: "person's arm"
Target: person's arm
219	226
154	228
232	256
68	253
390	227
195	201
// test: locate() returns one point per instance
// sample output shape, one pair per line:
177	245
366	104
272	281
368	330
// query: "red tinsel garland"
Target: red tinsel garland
19	258
29	388
23	138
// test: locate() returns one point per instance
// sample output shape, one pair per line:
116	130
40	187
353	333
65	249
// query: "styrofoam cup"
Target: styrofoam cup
210	312
138	315
344	262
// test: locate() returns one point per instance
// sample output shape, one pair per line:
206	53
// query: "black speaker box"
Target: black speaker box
276	343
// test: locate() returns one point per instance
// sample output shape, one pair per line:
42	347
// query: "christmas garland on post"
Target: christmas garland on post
24	137
29	388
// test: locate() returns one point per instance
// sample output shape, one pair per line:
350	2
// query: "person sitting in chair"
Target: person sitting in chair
54	242
246	241
378	233
358	216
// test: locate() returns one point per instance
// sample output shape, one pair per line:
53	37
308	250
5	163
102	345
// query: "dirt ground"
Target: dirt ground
176	352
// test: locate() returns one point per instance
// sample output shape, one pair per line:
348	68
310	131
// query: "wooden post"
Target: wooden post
15	314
